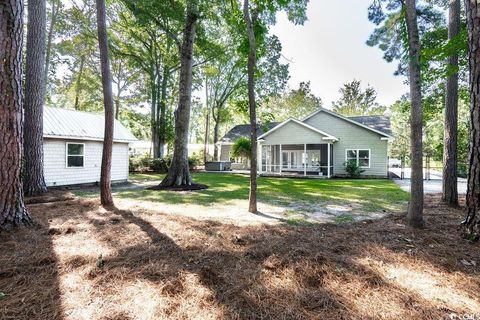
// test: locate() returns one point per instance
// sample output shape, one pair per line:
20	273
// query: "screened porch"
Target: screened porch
297	159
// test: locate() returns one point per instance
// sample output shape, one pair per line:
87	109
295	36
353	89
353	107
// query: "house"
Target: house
319	145
73	146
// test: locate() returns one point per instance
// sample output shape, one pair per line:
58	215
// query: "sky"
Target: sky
329	50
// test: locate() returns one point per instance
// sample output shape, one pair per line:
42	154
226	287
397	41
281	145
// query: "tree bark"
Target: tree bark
34	181
51	29
153	113
162	134
105	173
207	124
216	129
472	220
450	192
252	57
415	208
179	173
78	84
12	208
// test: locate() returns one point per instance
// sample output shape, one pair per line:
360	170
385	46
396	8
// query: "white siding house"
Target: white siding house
73	146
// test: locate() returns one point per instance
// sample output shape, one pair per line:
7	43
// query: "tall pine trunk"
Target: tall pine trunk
415	208
472	220
105	173
12	207
450	192
179	173
51	29
252	57
34	181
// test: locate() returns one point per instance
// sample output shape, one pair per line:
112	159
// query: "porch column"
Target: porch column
328	160
281	159
259	157
305	159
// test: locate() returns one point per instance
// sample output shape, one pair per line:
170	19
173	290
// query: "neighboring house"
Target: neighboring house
319	145
73	146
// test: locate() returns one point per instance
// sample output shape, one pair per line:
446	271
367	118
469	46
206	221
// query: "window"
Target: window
75	155
360	156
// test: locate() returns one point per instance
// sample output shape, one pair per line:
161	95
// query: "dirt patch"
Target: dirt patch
133	263
191	187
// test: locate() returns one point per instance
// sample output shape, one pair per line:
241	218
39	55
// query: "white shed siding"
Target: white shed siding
352	136
57	173
293	133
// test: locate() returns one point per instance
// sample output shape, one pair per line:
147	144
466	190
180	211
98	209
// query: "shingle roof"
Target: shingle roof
66	123
380	123
243	130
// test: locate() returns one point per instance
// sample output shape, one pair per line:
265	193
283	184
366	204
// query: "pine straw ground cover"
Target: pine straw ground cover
156	266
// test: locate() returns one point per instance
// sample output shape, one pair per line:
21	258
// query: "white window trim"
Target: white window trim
358	154
66	155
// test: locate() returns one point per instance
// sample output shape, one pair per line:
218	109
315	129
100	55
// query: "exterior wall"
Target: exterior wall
352	136
225	152
293	133
57	173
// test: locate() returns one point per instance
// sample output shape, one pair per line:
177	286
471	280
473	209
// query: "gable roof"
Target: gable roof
357	122
380	123
72	124
243	130
327	136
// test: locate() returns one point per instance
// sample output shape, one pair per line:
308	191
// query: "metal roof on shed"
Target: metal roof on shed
72	124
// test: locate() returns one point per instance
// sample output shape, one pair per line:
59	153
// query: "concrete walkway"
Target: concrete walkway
434	185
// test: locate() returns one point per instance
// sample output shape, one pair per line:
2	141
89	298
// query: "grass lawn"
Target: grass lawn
366	195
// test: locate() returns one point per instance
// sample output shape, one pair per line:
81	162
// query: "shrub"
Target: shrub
242	147
146	163
353	169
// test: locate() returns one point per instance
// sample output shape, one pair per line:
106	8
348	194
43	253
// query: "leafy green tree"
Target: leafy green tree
242	147
296	103
354	101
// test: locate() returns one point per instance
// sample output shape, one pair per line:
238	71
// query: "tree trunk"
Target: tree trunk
207	124
105	174
216	129
162	135
153	116
51	29
415	208
472	220
78	84
12	207
117	107
252	206
450	192
179	173
34	181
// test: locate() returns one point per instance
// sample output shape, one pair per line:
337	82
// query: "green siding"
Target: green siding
293	133
352	136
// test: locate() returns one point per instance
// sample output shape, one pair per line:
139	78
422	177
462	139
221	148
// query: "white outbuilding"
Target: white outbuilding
73	146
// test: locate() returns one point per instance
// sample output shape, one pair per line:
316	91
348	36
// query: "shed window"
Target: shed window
360	156
75	155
